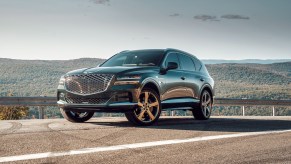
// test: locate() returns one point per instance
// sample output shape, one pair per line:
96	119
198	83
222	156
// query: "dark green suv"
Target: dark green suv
139	83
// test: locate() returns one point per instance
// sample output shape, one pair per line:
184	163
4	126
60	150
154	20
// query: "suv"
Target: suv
139	83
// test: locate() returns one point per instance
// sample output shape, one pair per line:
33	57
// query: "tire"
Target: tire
148	110
76	116
205	106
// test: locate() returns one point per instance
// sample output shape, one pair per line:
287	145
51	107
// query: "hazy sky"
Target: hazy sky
209	29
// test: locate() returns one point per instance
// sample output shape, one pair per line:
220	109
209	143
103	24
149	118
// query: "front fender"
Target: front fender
151	81
206	85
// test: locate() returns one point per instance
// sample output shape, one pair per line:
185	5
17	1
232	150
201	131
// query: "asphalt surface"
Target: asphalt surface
57	135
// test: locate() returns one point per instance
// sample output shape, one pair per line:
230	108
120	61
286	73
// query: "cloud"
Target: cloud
231	16
101	2
206	17
174	15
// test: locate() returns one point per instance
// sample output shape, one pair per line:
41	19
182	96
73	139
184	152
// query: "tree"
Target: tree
13	112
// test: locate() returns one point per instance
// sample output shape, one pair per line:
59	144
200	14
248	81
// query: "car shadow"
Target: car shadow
213	124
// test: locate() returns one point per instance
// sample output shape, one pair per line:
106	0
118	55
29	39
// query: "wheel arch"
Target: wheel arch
151	84
209	89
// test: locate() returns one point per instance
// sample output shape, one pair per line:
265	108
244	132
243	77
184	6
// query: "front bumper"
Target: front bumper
115	99
110	107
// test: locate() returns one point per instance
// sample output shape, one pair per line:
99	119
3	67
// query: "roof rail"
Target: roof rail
124	51
177	50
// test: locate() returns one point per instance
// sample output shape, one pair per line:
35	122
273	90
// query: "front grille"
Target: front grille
85	84
86	100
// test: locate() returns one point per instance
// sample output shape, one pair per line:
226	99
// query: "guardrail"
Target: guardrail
41	102
28	101
251	102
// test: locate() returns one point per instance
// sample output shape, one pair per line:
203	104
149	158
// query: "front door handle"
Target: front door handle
183	78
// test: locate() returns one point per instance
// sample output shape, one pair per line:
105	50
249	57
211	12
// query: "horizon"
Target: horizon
112	55
68	29
287	60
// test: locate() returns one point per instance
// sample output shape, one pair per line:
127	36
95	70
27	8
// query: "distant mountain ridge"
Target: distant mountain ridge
205	61
257	61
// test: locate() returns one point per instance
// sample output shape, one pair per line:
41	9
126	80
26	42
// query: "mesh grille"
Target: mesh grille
86	100
87	83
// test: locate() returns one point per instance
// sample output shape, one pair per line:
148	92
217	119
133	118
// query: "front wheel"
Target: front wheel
76	116
148	110
205	106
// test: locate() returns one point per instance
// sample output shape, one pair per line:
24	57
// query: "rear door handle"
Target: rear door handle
183	78
201	79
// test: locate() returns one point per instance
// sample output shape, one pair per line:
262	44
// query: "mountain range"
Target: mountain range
232	80
255	61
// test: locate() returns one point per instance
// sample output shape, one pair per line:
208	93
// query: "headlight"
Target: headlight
62	80
131	77
124	80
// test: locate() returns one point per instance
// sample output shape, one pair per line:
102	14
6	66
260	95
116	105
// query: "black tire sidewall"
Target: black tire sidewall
197	113
70	117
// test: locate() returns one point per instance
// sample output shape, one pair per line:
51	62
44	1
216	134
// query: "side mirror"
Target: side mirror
172	65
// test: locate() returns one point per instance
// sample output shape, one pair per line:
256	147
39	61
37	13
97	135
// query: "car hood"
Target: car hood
109	70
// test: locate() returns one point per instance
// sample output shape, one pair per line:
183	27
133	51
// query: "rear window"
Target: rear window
197	64
187	63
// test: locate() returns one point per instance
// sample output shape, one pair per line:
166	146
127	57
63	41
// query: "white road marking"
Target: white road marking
133	146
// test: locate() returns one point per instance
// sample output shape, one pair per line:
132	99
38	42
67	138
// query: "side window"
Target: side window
187	63
172	57
197	64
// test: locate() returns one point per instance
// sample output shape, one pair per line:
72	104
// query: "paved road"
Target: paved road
183	140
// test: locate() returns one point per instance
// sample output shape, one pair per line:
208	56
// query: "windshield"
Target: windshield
135	58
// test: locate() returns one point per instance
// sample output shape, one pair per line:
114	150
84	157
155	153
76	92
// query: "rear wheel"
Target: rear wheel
76	116
205	106
148	111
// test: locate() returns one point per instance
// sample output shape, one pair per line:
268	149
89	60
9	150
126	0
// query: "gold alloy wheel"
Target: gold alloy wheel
148	107
203	112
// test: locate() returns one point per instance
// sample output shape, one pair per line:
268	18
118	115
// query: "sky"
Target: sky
208	29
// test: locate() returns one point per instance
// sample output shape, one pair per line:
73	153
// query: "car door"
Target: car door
192	81
172	82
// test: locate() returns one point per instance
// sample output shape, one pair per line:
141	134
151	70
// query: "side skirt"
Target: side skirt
180	104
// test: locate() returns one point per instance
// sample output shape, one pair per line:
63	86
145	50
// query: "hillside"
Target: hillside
37	77
259	81
40	77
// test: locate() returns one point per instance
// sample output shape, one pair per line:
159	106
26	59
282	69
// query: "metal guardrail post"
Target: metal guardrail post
41	112
273	110
172	112
243	110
